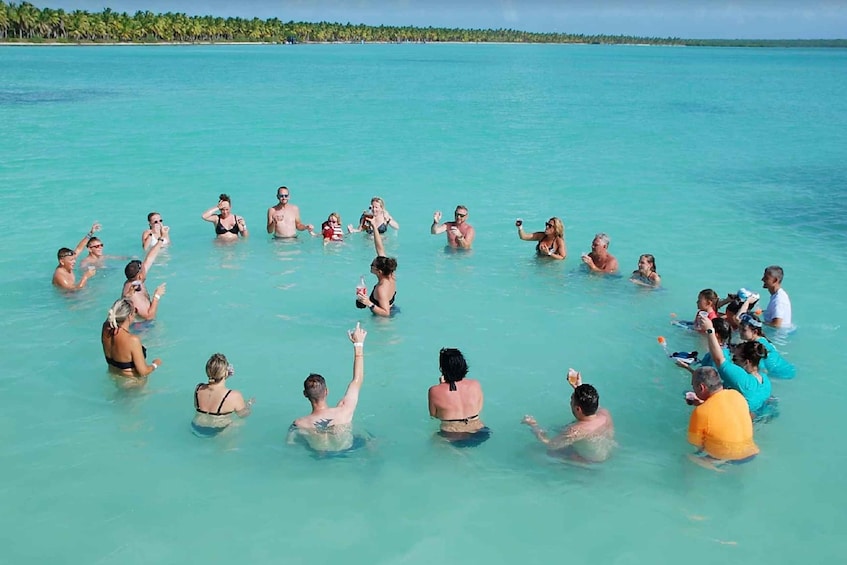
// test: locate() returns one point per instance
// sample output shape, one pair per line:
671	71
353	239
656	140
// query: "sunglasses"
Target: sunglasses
64	255
460	215
97	246
549	225
159	221
282	195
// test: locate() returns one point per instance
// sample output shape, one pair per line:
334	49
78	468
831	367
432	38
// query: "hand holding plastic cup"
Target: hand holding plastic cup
574	378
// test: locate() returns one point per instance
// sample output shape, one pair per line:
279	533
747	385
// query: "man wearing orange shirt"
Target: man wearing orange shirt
720	426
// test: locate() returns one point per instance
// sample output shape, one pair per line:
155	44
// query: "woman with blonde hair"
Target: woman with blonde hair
214	402
377	216
551	241
122	349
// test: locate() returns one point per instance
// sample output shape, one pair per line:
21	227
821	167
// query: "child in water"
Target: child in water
331	228
707	301
646	274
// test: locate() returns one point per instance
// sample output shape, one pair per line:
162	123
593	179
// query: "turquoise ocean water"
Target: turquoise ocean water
717	161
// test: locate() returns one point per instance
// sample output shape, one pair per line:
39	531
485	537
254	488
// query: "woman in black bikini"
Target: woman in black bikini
214	403
551	241
457	402
381	300
228	226
123	350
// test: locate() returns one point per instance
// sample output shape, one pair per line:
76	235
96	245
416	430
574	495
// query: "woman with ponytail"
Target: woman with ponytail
122	349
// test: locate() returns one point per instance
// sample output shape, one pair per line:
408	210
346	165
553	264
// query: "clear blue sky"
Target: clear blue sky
751	19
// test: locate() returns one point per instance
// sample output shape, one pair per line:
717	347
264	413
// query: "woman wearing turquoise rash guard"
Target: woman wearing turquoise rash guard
776	367
742	372
723	331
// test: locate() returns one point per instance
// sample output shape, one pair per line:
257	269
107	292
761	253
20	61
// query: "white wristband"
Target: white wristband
154	365
156	297
358	344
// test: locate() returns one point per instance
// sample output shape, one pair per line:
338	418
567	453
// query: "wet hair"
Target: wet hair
132	269
217	368
92	240
385	265
723	331
462	207
119	312
708	377
337	217
751	351
378	200
604	238
587	399
150	216
64	252
314	387
775	271
651	259
709	295
558	226
453	366
225	198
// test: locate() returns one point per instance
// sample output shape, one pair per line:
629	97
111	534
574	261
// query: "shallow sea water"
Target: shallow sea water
718	161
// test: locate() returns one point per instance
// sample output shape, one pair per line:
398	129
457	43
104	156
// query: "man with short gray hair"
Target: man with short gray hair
721	426
600	260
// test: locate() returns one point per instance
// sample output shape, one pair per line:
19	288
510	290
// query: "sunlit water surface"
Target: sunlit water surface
717	161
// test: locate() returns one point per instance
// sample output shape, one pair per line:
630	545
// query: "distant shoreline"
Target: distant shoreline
25	24
776	43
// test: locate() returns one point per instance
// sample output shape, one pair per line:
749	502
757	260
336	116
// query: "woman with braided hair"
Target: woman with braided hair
122	349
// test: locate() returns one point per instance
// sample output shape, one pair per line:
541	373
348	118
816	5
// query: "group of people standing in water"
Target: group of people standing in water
456	401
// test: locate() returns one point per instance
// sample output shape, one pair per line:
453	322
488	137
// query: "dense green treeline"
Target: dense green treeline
26	23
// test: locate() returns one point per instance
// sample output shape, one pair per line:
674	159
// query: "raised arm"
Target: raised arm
84	241
351	397
153	252
389	219
210	215
712	338
436	227
378	245
532	236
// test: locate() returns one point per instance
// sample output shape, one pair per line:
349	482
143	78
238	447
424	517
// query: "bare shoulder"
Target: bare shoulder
473	383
